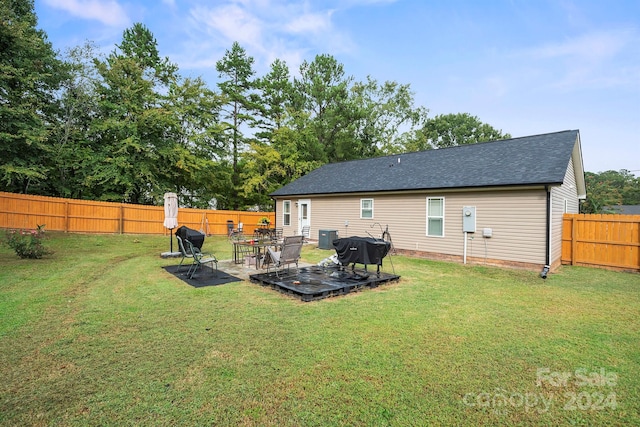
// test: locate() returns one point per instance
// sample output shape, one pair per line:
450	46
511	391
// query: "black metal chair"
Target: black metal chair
200	259
183	251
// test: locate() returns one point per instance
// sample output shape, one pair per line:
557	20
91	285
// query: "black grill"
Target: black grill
194	236
361	250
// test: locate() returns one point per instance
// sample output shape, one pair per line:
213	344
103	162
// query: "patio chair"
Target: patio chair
245	252
183	251
235	234
287	255
199	259
278	234
306	234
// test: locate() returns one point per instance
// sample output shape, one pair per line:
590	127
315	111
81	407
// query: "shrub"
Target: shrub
264	220
27	243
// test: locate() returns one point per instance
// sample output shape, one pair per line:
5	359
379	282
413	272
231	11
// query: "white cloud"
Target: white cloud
267	29
310	23
109	12
232	22
600	59
591	47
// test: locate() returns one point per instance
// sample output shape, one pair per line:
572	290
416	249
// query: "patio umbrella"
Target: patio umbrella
170	214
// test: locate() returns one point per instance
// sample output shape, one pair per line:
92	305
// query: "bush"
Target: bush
27	243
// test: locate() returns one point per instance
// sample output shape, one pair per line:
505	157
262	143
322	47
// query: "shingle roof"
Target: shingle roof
625	209
530	160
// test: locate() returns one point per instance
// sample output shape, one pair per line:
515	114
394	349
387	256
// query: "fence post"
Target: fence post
574	238
66	216
121	220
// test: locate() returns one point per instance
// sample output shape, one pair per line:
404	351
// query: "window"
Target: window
286	212
366	208
435	216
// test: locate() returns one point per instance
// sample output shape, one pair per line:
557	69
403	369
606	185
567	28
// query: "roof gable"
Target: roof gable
531	160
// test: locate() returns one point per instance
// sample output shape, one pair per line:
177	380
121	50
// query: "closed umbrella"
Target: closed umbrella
170	214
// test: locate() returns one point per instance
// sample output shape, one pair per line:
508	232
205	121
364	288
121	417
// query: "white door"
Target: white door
304	216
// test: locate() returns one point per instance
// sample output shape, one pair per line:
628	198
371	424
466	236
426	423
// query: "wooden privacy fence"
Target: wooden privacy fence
84	216
610	241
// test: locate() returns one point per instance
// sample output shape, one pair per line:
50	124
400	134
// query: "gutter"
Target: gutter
275	212
496	187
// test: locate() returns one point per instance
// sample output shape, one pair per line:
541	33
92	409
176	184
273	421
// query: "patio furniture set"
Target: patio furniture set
264	250
267	250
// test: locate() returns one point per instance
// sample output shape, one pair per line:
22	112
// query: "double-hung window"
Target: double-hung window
435	216
286	212
366	208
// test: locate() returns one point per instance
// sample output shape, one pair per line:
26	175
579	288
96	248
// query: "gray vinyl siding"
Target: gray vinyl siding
564	195
517	218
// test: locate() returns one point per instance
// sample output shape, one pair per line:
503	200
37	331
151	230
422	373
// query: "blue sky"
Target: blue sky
523	66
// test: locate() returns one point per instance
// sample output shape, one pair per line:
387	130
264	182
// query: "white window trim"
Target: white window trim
361	208
441	217
284	213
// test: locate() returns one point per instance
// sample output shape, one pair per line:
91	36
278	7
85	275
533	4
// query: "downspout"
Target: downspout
545	270
275	212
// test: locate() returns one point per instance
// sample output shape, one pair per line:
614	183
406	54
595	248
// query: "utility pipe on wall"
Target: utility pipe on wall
465	249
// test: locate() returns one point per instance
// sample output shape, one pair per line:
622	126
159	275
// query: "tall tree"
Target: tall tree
238	87
30	74
274	102
70	143
135	131
323	91
198	149
292	152
386	112
449	130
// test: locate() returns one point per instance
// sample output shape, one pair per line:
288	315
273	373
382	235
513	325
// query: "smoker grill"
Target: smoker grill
361	250
194	236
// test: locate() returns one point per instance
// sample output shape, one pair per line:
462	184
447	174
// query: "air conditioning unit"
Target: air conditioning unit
326	238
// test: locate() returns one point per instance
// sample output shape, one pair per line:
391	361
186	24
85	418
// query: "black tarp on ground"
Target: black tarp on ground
361	250
314	283
194	236
205	276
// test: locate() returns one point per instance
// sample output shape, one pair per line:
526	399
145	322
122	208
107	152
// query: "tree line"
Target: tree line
127	127
606	190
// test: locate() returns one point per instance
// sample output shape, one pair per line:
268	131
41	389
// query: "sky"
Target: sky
526	67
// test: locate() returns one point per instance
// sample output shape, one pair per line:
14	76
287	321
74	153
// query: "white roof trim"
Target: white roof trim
578	169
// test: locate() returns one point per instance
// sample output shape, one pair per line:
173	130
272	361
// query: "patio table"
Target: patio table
257	248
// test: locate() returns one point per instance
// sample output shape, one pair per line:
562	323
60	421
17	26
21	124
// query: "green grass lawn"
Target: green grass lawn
99	334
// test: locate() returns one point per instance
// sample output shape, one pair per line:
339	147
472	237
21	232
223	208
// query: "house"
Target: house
623	209
497	202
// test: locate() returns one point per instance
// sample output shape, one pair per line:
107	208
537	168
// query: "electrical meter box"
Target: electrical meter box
469	219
